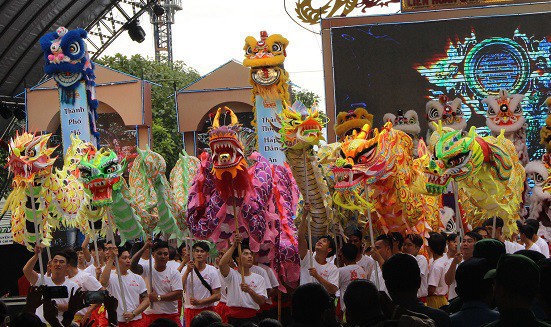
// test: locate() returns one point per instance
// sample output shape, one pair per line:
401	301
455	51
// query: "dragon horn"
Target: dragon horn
363	133
216	120
234	120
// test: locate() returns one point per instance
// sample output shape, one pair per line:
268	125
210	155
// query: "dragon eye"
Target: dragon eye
491	111
84	172
111	169
412	120
459	112
249	50
433	113
276	47
74	48
30	152
518	109
538	179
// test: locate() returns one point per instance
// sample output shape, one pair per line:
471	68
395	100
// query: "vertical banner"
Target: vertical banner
74	116
268	139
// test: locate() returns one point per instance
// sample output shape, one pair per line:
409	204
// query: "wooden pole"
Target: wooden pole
458	221
371	237
112	234
235	216
38	237
95	240
307	201
151	268
279	305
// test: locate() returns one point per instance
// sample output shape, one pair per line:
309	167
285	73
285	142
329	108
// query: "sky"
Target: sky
209	33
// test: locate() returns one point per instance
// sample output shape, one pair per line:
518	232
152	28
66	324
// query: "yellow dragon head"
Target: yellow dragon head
76	151
301	127
30	157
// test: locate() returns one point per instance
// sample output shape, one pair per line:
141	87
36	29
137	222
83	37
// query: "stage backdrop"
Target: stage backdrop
391	66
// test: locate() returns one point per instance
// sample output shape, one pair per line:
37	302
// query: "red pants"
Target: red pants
134	323
223	310
190	313
99	315
148	319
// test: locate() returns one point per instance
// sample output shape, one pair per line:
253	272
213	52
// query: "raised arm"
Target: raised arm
135	267
224	264
28	269
449	277
106	273
86	250
302	231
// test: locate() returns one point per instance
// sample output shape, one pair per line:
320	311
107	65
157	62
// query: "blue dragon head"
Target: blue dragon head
67	58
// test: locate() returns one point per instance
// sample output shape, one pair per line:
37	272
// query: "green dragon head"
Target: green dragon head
301	127
101	173
460	156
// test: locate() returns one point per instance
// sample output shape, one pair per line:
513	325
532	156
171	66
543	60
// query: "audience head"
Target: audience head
471	285
437	243
205	319
489	249
480	230
534	255
384	245
349	252
467	246
163	322
516	281
326	245
402	275
26	319
246	260
412	244
310	303
355	238
269	322
200	251
361	300
160	253
489	225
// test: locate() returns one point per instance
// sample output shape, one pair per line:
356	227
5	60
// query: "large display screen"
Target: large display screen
401	66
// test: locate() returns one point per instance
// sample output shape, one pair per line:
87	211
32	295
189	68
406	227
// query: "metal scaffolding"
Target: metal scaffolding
162	28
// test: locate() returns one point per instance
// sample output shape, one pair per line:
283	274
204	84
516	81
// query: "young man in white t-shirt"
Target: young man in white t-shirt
85	281
382	251
166	288
412	246
133	286
351	271
437	285
201	283
355	238
540	242
510	247
314	268
58	278
246	291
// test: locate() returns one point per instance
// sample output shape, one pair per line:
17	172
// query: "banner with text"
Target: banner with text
74	116
415	5
268	139
5	226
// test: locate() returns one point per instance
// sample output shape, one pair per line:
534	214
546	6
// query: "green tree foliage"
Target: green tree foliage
166	139
305	96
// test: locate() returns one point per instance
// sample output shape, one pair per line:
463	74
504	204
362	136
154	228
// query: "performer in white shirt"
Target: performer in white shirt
351	271
318	270
245	294
133	286
355	237
201	283
412	246
540	242
166	287
510	247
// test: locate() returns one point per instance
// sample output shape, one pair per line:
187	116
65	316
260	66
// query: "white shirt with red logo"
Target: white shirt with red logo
328	271
211	276
133	286
86	282
236	297
347	274
164	282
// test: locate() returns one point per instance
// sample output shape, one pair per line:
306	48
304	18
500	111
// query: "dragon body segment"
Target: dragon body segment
381	163
301	129
181	176
488	173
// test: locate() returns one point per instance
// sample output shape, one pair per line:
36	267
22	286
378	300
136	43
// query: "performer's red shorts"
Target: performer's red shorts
222	310
190	313
152	317
242	313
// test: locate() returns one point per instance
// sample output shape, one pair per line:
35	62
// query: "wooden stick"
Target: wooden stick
191	258
37	234
371	237
112	234
151	269
458	221
235	216
307	201
95	240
